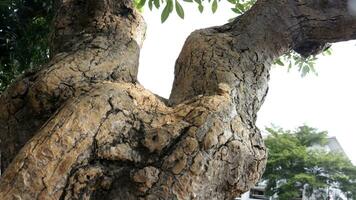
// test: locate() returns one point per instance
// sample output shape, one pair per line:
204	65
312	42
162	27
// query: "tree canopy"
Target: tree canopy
295	164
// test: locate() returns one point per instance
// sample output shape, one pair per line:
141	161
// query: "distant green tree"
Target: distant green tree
293	166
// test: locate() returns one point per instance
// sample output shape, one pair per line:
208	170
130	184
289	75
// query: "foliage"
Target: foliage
238	6
304	65
294	163
24	29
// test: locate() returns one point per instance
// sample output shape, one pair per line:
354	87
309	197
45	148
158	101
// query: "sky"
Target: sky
326	101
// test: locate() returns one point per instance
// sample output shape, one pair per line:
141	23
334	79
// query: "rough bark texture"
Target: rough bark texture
89	46
92	132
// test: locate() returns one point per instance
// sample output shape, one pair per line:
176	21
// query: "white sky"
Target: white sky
326	102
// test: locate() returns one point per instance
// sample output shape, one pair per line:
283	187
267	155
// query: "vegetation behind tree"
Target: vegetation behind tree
295	164
24	37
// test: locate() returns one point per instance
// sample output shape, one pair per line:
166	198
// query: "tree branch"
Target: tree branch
105	46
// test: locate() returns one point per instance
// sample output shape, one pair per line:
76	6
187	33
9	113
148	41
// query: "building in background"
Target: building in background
259	191
332	146
256	193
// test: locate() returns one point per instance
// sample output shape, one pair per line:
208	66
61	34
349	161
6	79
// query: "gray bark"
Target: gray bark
92	132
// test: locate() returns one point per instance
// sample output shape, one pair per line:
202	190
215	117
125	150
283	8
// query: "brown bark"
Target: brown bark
92	132
89	46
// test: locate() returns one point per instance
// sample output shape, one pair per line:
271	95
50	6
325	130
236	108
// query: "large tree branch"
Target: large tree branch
252	41
92	41
322	22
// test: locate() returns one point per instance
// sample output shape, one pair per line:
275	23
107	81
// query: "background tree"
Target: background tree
82	127
24	31
294	166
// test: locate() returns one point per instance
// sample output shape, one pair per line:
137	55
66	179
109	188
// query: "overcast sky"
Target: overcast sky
326	101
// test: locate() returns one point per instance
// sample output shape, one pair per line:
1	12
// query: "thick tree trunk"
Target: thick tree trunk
92	132
93	41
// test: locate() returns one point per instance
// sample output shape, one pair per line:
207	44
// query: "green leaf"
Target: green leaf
170	3
140	4
300	65
327	52
165	13
279	62
201	8
312	68
179	10
214	6
240	7
150	4
290	66
235	10
305	70
156	3
190	1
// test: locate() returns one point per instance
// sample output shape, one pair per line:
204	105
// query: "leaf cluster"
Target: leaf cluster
297	162
24	29
238	6
304	65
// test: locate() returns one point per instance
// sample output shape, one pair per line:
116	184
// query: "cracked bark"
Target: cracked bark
92	132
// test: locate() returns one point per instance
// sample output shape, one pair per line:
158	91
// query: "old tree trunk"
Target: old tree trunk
84	128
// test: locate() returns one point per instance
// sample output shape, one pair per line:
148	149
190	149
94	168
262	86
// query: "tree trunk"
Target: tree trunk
88	130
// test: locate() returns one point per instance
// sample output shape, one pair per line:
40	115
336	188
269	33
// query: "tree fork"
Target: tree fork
106	137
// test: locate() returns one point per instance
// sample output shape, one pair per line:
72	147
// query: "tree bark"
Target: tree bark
92	132
92	41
